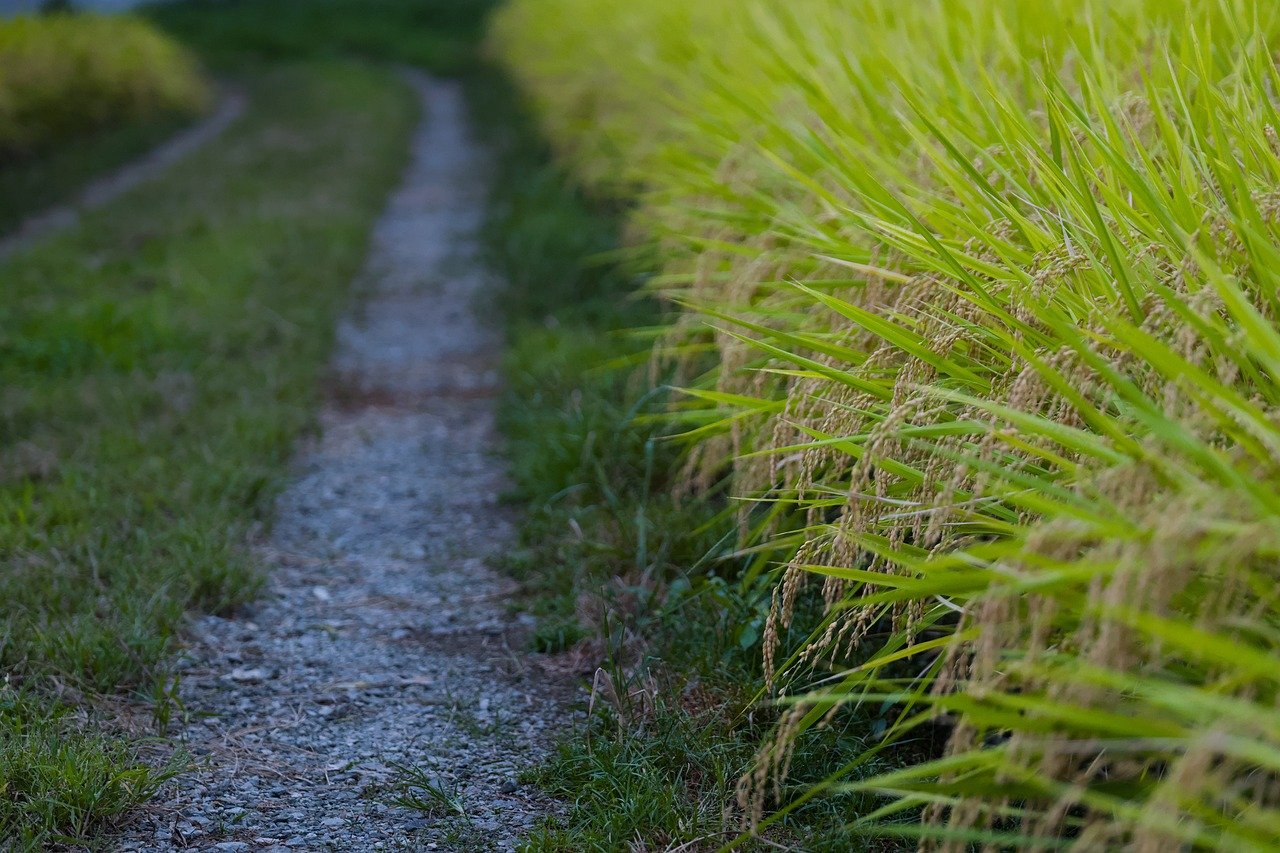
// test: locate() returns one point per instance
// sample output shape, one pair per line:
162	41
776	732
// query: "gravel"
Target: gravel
383	659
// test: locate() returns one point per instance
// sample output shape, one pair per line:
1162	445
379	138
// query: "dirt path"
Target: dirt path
110	187
383	642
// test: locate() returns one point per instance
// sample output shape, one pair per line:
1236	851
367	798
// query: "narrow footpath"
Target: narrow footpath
382	666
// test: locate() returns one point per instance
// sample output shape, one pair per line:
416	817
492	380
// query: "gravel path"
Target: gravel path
382	653
106	189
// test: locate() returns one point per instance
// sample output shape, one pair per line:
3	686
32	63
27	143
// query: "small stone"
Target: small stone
248	676
332	822
509	787
231	846
296	841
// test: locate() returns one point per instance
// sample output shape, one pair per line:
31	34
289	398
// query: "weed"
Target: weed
415	788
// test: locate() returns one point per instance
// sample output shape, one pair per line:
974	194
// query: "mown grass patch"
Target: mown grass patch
157	364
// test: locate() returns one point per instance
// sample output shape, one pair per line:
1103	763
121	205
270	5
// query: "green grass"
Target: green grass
157	364
59	782
36	183
666	786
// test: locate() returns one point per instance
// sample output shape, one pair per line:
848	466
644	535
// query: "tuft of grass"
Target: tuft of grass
417	789
59	783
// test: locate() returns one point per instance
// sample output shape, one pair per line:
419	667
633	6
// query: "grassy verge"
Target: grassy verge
157	364
39	182
622	572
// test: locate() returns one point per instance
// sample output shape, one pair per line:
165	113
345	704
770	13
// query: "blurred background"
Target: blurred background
14	7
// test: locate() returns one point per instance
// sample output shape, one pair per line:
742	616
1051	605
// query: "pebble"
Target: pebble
248	676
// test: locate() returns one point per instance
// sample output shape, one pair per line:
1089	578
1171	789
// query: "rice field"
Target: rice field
973	312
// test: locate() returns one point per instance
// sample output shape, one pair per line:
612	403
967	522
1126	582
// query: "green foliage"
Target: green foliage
989	296
64	75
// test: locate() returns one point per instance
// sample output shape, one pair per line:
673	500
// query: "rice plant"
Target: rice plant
980	299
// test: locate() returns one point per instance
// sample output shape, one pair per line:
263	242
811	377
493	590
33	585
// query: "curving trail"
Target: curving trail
110	187
383	642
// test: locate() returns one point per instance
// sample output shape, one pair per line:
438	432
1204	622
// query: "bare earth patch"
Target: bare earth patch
377	697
